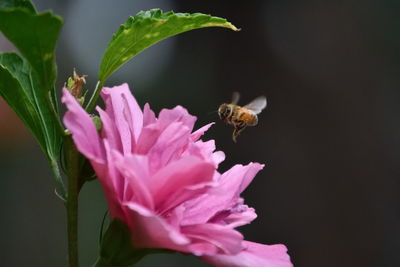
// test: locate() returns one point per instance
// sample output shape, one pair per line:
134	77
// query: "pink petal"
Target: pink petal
135	171
148	115
239	177
84	132
112	183
218	157
255	255
225	239
168	146
177	114
162	142
109	130
205	150
171	185
237	216
197	134
89	144
202	248
222	197
148	137
123	109
151	231
200	149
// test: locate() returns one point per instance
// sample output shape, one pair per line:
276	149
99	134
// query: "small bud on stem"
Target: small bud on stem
75	86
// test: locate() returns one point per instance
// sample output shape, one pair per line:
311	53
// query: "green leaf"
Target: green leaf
147	28
18	3
19	101
116	248
28	85
35	35
19	87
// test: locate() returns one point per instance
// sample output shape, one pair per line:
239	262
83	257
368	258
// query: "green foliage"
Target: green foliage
116	248
18	100
16	89
35	35
20	89
147	28
17	3
27	83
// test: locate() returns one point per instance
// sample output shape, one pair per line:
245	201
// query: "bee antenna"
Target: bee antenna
212	112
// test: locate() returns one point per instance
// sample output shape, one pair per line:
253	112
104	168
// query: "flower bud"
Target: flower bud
75	87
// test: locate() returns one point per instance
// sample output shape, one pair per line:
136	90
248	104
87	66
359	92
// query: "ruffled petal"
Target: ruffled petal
84	132
225	239
123	109
255	255
239	177
148	137
112	182
151	231
237	216
197	134
222	197
169	146
179	181
135	171
177	114
109	130
148	115
218	157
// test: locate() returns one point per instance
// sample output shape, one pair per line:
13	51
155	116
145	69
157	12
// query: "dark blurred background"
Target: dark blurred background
329	136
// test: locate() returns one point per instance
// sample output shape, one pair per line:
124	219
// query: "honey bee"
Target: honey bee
241	117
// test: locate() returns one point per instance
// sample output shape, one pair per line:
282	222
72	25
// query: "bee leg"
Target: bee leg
238	129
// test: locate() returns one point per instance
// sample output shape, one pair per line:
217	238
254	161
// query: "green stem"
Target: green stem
95	95
72	203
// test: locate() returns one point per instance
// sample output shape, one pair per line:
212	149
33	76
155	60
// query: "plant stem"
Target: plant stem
94	97
72	203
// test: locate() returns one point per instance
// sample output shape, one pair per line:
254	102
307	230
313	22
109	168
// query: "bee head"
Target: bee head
224	111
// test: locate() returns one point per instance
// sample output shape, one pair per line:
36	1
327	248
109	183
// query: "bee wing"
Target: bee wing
235	98
257	105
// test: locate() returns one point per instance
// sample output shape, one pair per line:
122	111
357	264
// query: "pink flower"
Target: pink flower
162	181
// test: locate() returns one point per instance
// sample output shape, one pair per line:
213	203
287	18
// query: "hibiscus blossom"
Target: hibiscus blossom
162	181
